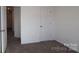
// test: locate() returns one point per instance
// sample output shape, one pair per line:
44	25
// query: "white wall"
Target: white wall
17	22
30	24
67	26
31	21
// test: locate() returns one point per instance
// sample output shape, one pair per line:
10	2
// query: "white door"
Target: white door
46	23
3	29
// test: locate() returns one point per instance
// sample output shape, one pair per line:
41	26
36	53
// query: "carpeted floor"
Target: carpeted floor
14	46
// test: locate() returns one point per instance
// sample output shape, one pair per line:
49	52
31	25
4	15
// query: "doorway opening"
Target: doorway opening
13	27
10	24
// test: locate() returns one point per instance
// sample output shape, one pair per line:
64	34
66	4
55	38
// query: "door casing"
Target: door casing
4	28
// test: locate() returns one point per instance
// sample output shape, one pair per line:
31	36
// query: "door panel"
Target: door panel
3	28
45	23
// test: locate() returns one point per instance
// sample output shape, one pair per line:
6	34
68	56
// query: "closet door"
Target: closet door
30	22
45	23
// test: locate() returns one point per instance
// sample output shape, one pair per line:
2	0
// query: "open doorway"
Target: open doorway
13	27
10	24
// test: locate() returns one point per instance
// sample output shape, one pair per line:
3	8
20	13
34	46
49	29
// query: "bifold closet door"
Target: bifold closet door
45	23
30	22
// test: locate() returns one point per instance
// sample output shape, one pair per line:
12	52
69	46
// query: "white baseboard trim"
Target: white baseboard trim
68	46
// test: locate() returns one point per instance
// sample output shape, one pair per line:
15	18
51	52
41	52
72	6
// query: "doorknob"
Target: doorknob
41	26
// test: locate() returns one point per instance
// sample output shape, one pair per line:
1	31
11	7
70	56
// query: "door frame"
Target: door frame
4	28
